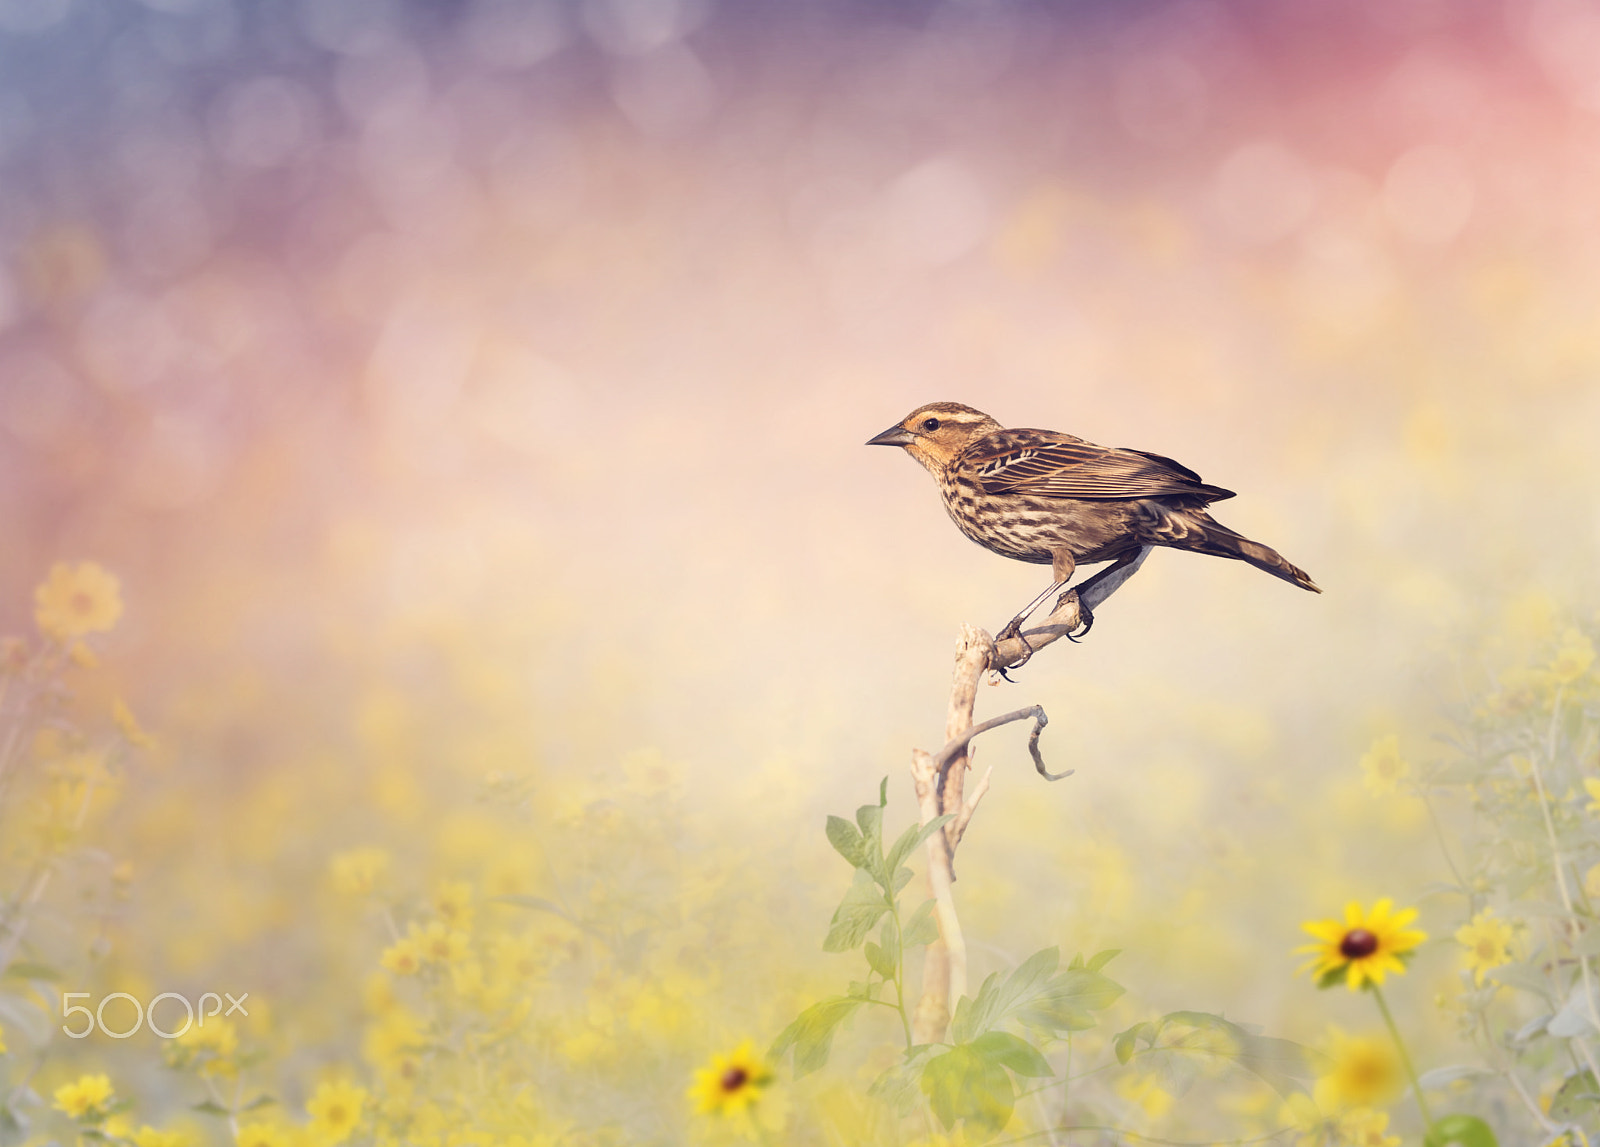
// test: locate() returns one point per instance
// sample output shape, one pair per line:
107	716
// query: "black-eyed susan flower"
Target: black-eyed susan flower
732	1083
1382	766
335	1111
1487	941
1362	947
87	1097
75	600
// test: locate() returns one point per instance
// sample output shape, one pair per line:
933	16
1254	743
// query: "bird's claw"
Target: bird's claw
1014	629
1085	616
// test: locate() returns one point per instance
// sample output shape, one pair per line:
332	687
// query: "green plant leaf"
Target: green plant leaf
1101	959
1125	1041
912	839
1067	1001
1461	1131
880	962
860	909
847	841
1184	1040
1002	994
811	1034
1013	1052
26	970
210	1107
1577	1099
962	1085
921	929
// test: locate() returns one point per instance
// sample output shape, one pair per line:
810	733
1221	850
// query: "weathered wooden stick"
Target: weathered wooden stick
940	780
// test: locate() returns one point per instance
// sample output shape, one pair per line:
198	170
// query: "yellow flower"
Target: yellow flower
1382	766
2	1041
1573	657
439	945
87	1098
357	872
731	1084
1487	942
1592	786
1364	1071
1364	1127
335	1111
148	1136
75	600
1364	946
207	1046
403	957
260	1135
129	725
453	901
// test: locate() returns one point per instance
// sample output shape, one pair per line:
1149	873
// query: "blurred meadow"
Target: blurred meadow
460	404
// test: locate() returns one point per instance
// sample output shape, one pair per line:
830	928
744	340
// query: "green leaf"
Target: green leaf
880	962
1577	1100
259	1102
1184	1040
963	1085
1067	1001
870	818
1463	1130
897	1086
847	841
811	1034
1101	959
1002	995
1124	1042
1013	1052
860	909
889	941
921	929
210	1107
913	838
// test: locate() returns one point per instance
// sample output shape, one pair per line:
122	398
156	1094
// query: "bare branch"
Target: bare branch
1067	617
958	746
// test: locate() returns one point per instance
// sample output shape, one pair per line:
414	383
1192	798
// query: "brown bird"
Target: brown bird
1049	498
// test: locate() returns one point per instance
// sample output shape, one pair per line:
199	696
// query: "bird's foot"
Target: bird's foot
1013	629
1085	616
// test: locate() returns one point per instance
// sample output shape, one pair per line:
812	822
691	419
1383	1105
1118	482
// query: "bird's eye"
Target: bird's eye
930	424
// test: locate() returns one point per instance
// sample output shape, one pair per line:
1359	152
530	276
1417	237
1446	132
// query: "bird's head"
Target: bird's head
934	434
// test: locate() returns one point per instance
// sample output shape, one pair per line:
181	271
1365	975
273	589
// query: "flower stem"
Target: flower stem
1405	1059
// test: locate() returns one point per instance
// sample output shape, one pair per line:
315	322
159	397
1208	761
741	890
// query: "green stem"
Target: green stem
900	969
1405	1059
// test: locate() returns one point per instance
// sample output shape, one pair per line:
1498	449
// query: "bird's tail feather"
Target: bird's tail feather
1209	536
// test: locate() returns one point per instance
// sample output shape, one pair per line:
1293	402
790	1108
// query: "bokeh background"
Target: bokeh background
469	395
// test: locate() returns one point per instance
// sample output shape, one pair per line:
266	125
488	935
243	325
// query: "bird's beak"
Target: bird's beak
894	436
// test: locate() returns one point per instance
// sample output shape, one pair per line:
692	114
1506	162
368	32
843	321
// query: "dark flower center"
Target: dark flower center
1357	943
734	1078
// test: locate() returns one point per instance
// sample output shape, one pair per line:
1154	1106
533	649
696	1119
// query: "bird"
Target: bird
1053	499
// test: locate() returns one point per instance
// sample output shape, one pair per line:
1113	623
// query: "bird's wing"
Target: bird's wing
1066	467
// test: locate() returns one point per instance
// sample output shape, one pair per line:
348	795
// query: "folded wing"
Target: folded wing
1068	467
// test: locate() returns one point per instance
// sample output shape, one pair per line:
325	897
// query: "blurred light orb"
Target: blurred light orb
40	402
1161	98
514	34
31	15
262	122
664	93
391	86
639	27
935	213
1263	192
1428	194
177	463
